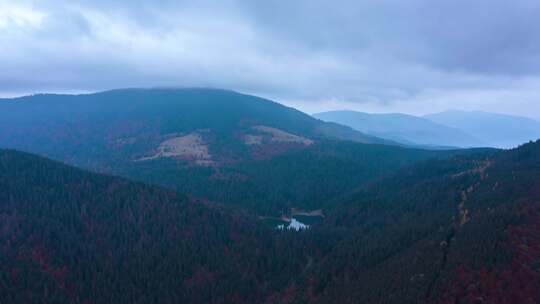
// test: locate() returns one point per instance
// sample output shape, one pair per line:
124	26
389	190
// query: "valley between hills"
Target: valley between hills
212	196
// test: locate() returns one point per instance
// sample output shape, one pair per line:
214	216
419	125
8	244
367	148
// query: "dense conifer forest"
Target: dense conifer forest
463	229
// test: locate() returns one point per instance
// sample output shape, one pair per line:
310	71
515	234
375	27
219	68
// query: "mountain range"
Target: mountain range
497	130
406	129
444	129
220	145
182	196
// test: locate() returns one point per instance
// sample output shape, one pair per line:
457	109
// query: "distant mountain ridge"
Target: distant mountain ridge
497	130
133	124
215	144
406	129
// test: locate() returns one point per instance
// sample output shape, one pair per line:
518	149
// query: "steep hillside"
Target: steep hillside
462	230
497	130
220	145
68	236
405	129
202	126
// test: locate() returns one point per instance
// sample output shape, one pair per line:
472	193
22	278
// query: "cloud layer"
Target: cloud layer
413	56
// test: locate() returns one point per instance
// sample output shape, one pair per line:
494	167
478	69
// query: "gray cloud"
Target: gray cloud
382	55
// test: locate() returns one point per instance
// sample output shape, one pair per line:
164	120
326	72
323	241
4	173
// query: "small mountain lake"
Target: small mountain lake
293	224
297	222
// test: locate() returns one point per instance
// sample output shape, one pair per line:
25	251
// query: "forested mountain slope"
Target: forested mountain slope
68	236
202	126
220	145
462	230
458	230
307	178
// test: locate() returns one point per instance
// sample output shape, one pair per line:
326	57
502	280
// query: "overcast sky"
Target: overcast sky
414	56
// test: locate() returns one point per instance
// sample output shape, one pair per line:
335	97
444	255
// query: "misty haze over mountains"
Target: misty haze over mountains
497	130
273	152
406	129
445	129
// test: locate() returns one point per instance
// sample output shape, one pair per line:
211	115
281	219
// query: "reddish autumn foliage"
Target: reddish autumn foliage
515	282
